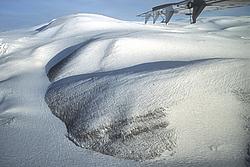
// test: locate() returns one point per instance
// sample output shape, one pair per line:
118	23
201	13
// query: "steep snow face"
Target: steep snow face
142	112
175	95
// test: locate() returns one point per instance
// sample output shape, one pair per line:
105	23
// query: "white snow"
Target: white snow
106	71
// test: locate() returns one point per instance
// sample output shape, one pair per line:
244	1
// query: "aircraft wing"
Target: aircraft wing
212	5
166	11
190	7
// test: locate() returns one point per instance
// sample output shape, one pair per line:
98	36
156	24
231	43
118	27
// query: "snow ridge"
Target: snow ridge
104	112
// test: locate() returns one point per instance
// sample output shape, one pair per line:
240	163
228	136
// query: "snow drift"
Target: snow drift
176	95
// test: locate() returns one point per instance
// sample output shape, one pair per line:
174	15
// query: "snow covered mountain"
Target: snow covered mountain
128	93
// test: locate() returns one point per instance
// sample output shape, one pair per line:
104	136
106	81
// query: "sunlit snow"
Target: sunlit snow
129	94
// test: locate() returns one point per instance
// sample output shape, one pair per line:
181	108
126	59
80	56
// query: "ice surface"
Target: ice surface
129	94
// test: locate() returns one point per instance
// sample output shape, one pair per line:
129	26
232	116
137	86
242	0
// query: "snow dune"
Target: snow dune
128	93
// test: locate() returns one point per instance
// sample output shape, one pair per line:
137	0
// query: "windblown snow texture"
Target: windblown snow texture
106	110
129	94
100	117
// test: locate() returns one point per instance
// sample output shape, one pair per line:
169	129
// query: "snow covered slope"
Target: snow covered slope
129	94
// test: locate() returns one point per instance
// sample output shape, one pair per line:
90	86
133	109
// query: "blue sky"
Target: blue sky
16	14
